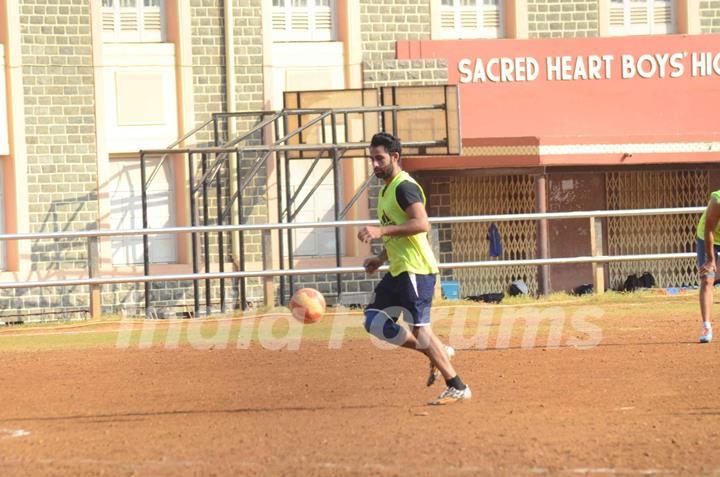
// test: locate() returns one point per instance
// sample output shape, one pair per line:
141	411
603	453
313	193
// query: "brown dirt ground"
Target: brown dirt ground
645	401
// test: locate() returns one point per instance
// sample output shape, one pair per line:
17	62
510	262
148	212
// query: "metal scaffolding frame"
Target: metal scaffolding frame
284	147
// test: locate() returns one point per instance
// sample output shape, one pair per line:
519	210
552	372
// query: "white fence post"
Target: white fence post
596	248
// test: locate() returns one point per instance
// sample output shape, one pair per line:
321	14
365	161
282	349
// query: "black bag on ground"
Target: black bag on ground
518	287
647	280
632	282
584	289
487	297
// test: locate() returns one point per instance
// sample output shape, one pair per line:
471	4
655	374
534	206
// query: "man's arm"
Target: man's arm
383	255
417	223
373	263
712	216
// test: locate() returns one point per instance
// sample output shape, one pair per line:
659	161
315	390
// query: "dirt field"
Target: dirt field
644	399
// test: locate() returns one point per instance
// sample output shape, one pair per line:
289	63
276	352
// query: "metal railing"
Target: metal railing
94	281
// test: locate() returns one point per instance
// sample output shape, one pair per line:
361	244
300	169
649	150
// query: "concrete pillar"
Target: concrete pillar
543	247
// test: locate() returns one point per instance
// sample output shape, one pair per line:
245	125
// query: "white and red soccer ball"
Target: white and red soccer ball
307	305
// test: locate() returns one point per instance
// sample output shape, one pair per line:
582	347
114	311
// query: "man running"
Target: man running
410	283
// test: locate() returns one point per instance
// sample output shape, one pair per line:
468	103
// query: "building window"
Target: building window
126	211
641	17
471	19
303	20
133	21
319	207
319	242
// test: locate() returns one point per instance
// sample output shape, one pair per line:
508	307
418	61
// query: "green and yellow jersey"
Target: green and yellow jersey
405	254
701	225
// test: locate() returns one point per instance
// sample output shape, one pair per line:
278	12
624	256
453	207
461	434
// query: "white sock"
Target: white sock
707	325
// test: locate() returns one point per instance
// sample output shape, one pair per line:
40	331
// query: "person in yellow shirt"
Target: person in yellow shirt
708	246
407	289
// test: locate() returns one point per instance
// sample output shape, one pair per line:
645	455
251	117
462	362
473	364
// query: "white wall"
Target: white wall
306	66
140	96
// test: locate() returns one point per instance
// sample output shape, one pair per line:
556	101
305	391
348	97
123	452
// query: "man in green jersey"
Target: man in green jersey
409	285
708	245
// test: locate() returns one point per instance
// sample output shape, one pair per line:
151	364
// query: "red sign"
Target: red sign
652	88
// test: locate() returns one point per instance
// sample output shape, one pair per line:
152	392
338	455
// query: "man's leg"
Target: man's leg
414	342
706	296
389	300
707	282
378	321
396	295
426	341
418	301
706	300
456	390
415	298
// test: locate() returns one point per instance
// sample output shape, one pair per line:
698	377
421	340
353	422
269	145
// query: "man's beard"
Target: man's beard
381	173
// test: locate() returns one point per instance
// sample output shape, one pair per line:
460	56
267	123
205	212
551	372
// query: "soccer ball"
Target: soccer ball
307	305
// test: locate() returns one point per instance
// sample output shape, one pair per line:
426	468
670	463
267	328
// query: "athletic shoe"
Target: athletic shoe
434	373
452	395
706	336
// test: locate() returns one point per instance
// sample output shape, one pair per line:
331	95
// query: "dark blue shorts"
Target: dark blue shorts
410	292
702	256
